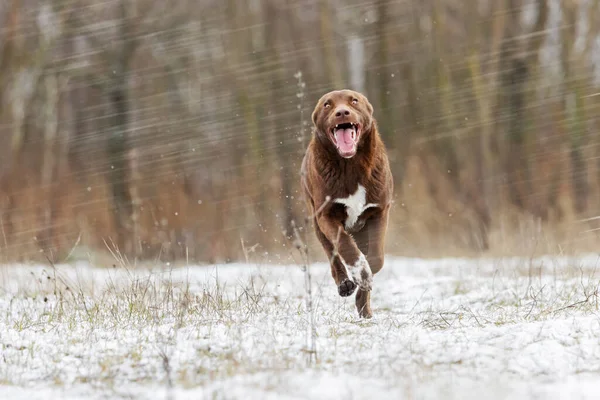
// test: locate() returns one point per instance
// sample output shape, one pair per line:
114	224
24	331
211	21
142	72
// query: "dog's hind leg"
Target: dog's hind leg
363	297
363	303
344	283
371	241
376	228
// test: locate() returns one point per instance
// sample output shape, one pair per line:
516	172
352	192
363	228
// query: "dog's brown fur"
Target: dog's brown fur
327	177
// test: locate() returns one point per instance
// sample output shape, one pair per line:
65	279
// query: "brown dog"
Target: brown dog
348	188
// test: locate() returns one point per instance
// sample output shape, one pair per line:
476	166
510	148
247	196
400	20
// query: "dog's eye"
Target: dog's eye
327	105
355	101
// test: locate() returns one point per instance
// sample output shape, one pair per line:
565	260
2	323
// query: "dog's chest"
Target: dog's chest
355	205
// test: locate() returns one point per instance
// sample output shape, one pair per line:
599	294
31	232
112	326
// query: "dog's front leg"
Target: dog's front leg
355	262
339	271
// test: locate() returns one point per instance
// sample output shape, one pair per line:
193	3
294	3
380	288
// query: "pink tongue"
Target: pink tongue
343	138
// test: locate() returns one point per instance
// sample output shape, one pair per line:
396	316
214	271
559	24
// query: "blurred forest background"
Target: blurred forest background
174	130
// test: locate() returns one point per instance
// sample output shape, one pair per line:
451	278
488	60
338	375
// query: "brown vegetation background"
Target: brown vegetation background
175	129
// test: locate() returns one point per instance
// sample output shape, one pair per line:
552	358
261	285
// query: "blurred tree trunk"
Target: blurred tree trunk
443	142
511	92
516	70
586	60
327	22
49	164
20	76
254	103
118	142
411	76
385	111
356	63
280	128
7	58
477	191
7	42
573	104
538	206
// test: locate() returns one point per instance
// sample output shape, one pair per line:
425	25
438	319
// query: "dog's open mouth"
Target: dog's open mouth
345	137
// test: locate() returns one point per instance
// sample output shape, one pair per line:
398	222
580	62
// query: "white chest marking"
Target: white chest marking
355	205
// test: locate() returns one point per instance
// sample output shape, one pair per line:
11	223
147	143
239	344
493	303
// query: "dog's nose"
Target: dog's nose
340	112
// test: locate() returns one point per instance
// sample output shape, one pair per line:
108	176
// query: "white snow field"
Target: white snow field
443	329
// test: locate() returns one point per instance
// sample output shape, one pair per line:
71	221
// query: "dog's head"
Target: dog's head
342	119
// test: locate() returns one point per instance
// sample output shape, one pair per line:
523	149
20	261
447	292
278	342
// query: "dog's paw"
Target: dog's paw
361	273
346	288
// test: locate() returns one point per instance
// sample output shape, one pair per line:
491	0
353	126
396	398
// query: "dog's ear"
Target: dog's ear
369	106
315	114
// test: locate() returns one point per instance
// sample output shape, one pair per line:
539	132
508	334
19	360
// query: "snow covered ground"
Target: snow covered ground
443	329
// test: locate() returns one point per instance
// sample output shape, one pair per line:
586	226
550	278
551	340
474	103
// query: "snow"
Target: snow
447	328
